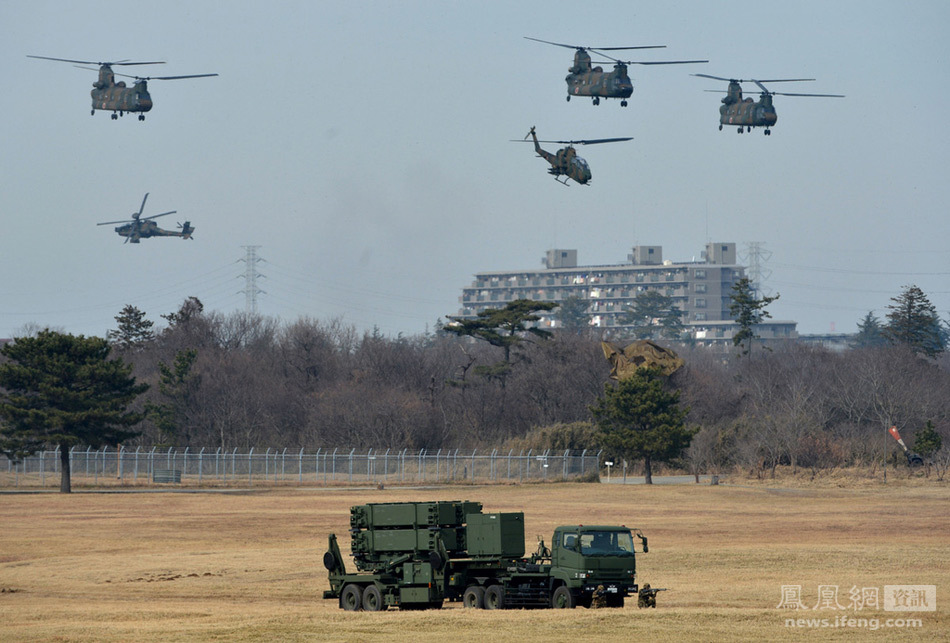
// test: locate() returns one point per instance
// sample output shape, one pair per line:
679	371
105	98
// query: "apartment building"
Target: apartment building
700	290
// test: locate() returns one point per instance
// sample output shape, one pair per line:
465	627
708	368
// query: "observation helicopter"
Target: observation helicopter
585	80
116	97
748	114
142	228
565	162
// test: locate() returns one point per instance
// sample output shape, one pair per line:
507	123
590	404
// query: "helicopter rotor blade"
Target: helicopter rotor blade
560	44
752	80
142	207
595	141
657	62
93	62
111	222
155	216
816	95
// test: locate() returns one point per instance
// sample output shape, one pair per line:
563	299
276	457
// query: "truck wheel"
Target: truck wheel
373	599
351	598
329	561
562	598
495	597
474	597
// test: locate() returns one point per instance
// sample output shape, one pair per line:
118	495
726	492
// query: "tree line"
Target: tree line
241	381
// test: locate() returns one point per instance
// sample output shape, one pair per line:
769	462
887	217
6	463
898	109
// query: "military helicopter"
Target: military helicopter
585	80
109	95
748	114
565	162
142	228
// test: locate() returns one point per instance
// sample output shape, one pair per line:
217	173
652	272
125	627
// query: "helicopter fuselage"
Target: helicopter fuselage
116	97
145	229
598	84
746	113
566	162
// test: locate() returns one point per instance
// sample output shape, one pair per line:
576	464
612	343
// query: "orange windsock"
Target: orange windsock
897	436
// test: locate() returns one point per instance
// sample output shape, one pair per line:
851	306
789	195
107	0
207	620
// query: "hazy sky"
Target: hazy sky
364	146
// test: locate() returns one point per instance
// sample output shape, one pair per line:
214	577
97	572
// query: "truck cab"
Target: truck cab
585	556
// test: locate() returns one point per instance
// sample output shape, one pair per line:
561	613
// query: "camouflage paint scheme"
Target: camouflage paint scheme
117	97
583	79
565	162
745	112
142	228
147	228
108	95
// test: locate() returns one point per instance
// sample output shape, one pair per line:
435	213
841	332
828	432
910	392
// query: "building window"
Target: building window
700	302
699	316
700	274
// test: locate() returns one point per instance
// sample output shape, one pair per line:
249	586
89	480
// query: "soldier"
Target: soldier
599	598
646	597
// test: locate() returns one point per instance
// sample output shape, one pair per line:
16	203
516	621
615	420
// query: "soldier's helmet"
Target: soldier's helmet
646	586
600	587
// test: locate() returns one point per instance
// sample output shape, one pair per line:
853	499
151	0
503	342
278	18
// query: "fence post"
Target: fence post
300	467
151	462
201	458
316	465
386	465
564	464
250	479
473	464
233	465
508	477
521	466
333	476
283	464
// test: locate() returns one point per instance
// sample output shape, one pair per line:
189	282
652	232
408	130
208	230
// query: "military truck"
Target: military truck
417	555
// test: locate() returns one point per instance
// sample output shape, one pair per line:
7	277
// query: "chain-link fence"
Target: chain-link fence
221	467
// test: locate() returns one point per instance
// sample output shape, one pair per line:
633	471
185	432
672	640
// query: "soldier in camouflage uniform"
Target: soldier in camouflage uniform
599	597
646	597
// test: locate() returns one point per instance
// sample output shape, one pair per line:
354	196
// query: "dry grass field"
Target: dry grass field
239	566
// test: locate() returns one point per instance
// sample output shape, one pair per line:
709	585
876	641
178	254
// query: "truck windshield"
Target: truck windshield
606	543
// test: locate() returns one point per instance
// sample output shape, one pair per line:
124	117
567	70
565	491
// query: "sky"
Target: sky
365	147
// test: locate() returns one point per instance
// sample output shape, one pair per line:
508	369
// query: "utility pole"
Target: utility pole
250	278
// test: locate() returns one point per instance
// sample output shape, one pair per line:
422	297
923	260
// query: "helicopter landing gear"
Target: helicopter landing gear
748	129
141	117
92	112
768	132
740	130
597	100
623	103
569	98
720	127
115	116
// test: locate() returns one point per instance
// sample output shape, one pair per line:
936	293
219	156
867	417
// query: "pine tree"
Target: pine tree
504	327
133	330
60	391
572	314
652	315
870	333
913	321
640	418
748	311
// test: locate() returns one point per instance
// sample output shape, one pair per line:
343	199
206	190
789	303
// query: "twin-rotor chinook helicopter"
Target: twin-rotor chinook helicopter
583	79
746	113
142	228
116	97
565	162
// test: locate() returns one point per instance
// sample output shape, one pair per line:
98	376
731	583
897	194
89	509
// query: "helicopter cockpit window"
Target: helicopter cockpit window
581	163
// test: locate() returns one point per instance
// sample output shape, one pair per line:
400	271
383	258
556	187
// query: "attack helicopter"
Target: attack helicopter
585	80
747	113
565	162
116	97
142	228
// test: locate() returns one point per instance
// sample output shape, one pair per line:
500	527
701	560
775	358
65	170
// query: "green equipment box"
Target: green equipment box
498	534
393	515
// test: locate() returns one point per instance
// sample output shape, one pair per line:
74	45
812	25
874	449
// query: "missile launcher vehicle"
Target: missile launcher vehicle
417	555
